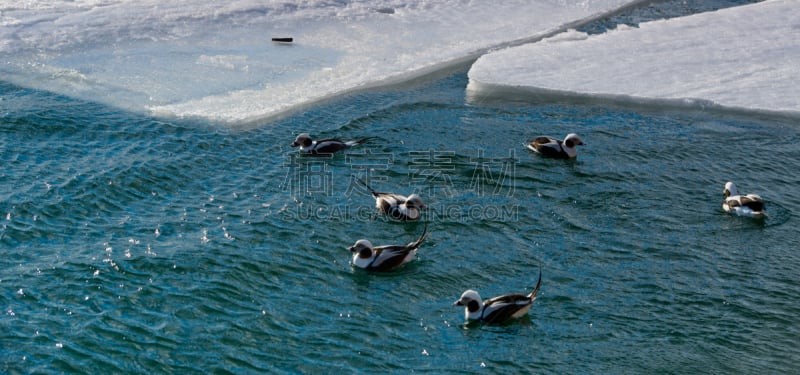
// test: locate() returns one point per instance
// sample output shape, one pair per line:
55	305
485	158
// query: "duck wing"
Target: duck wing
329	146
501	308
389	257
753	202
548	146
390	203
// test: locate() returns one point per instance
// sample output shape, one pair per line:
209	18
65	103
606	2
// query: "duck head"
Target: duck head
303	140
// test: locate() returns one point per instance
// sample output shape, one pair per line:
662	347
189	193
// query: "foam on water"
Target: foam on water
743	57
214	60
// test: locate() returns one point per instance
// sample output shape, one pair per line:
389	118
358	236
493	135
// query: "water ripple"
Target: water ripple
134	245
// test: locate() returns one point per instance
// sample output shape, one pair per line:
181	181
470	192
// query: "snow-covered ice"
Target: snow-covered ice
214	59
746	57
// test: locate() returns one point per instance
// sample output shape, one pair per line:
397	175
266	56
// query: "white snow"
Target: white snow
214	59
745	57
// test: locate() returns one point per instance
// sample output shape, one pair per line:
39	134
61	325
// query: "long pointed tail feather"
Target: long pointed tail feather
421	238
358	141
371	190
535	291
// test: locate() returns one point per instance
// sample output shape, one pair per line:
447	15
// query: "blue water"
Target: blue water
141	245
659	9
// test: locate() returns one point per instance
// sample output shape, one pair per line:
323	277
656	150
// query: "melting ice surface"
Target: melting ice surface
743	57
215	60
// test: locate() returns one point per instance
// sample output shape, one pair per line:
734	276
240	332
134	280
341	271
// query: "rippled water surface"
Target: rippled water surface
137	245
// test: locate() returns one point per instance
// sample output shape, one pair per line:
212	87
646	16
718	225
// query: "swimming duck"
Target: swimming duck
750	205
384	258
499	309
325	146
397	206
555	148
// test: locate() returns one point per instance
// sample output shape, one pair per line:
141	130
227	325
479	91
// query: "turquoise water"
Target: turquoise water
132	244
139	245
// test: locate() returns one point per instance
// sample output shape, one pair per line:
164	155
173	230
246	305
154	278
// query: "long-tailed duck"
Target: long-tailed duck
324	146
384	258
499	309
750	205
397	206
555	148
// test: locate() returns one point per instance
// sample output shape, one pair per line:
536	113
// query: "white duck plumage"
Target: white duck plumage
397	206
499	309
750	205
384	258
555	148
323	147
